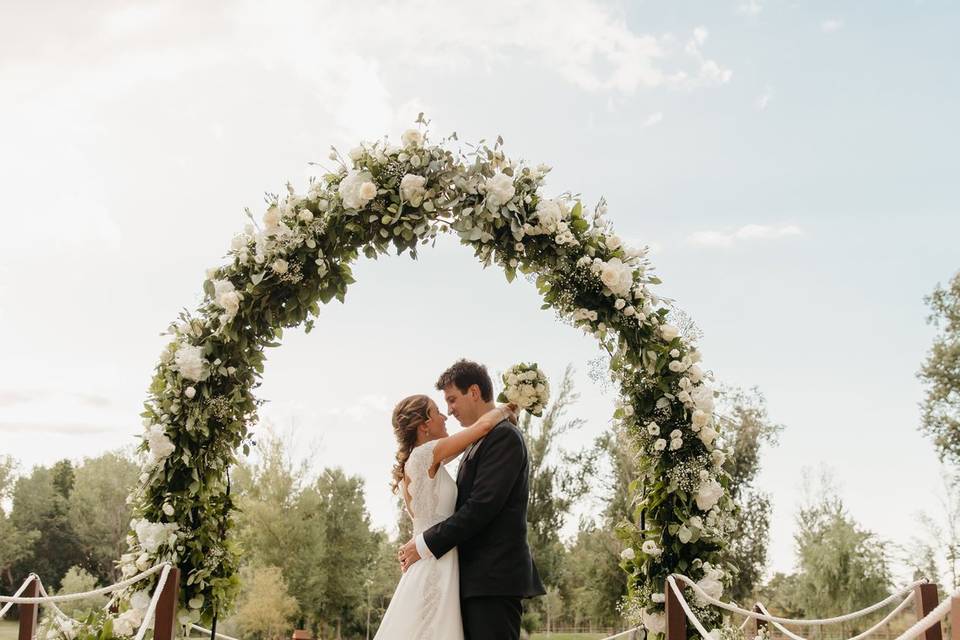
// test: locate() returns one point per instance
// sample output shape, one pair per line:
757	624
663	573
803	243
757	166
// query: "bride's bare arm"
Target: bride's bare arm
454	445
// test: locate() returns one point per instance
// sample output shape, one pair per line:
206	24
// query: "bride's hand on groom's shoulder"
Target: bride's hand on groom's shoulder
510	412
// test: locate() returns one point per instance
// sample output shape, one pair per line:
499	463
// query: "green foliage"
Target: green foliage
78	580
940	373
266	607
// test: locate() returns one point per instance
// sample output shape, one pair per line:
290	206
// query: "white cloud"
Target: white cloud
746	233
653	119
763	101
831	25
750	7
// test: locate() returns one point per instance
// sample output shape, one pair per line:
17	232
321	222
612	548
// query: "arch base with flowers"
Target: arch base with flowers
201	404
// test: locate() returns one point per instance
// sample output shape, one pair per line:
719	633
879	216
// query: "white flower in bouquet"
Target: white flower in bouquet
654	622
628	554
357	189
653	428
412	189
189	361
708	494
140	601
159	445
703	398
527	387
271	219
617	276
549	215
152	535
699	420
669	332
707	435
412	138
143	562
306	216
68	628
695	373
280	266
500	190
650	548
660	444
712	581
613	243
684	534
226	296
127	623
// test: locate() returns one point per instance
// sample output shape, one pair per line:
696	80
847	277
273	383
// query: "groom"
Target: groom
489	527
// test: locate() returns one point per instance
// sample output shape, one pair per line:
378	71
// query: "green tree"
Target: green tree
266	609
842	567
99	513
41	502
78	580
281	524
16	544
558	478
350	546
593	581
940	409
746	426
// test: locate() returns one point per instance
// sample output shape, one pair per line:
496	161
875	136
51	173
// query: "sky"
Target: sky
792	166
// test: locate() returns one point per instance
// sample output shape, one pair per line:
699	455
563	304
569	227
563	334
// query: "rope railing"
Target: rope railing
197	627
164	597
929	622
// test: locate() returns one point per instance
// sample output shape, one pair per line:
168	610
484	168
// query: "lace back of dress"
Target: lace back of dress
424	496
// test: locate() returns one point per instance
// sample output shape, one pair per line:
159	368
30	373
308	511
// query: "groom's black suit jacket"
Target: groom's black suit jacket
489	527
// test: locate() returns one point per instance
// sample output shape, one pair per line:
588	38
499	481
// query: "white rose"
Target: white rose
356	153
617	276
280	266
696	522
143	563
140	601
653	622
226	296
676	366
651	549
613	243
159	445
669	332
628	554
684	534
153	534
695	373
708	494
306	215
620	303
718	457
411	138
711	583
703	398
660	444
629	311
653	428
699	419
168	509
189	361
190	392
357	189
707	435
500	189
548	214
271	219
412	189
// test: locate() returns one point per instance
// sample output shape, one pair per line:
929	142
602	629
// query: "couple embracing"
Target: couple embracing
468	565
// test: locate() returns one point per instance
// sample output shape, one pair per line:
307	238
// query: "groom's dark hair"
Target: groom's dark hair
465	373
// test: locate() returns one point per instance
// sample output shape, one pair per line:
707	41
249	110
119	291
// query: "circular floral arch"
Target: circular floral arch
201	404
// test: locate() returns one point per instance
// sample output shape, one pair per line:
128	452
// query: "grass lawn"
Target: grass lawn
8	630
562	636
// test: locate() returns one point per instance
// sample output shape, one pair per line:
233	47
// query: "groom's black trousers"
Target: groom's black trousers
491	618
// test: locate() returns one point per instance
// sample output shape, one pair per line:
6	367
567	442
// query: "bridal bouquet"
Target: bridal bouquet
526	386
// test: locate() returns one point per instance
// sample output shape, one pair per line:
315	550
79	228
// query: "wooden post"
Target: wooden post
165	622
758	624
676	619
955	618
927	600
28	612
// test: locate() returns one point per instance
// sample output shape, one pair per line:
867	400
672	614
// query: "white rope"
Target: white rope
57	610
153	602
686	609
809	623
67	597
622	633
783	629
220	635
929	620
22	588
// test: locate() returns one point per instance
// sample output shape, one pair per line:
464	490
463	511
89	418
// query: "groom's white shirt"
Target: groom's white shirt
422	547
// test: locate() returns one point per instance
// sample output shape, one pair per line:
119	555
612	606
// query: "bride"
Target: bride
426	603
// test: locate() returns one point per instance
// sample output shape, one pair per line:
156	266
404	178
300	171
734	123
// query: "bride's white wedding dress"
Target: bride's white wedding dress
426	604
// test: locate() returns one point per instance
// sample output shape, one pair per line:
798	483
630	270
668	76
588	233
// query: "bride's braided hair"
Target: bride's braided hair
408	415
